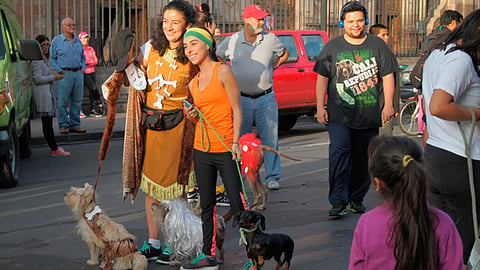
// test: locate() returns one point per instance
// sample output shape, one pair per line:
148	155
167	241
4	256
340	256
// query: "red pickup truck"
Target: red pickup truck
294	80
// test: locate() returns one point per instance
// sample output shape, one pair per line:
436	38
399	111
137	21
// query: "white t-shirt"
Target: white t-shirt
453	73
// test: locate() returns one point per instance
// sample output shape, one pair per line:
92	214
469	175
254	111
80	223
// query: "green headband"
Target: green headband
200	33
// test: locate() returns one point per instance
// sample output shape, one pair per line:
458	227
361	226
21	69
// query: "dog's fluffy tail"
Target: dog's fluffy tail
265	147
139	262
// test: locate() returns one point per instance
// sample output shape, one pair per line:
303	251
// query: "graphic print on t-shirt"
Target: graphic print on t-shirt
357	77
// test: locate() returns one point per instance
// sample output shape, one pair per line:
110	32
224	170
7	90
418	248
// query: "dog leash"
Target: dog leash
468	145
243	231
204	120
96	180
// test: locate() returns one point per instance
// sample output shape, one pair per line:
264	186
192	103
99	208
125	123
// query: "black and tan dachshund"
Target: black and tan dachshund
263	246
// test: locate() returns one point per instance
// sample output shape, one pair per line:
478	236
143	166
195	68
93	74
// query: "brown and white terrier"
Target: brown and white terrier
103	234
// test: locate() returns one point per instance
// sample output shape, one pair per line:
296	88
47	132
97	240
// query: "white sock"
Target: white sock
154	242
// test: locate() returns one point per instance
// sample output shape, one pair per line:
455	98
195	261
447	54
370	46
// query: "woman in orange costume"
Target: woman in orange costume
216	95
165	165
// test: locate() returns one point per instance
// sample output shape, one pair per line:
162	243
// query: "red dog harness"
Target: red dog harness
113	249
252	156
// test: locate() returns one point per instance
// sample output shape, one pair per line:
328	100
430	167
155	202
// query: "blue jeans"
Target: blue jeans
70	91
348	162
264	112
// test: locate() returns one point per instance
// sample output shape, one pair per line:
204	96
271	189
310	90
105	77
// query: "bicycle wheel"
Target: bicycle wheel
408	118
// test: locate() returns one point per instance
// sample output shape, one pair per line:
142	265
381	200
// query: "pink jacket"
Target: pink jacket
91	59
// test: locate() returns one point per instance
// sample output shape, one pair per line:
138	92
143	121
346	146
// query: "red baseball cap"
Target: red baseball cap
83	34
256	12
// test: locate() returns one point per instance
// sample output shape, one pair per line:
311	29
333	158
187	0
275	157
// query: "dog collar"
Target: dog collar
243	231
95	211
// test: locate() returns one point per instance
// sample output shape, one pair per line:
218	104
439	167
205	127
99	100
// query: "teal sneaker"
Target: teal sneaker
249	265
149	251
164	258
202	262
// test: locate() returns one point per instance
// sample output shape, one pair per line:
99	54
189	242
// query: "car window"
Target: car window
289	42
2	44
313	45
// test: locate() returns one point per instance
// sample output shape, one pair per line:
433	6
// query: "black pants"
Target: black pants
47	128
206	167
451	191
90	81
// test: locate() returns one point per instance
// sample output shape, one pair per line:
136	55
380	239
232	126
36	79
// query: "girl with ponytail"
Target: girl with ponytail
404	232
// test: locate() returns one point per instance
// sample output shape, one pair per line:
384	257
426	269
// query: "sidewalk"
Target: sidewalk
94	126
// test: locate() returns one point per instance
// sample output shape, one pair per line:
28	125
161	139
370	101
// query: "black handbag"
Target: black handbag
161	119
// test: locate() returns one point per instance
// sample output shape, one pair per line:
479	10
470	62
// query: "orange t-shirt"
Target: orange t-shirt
214	104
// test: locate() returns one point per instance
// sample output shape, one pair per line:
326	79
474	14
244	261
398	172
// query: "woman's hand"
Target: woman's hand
190	112
58	76
237	153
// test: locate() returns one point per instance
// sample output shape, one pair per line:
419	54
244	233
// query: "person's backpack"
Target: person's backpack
417	71
434	40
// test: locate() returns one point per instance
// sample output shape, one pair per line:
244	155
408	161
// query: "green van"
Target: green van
15	94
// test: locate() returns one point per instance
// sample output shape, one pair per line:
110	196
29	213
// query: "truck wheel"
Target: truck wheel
25	141
10	161
286	122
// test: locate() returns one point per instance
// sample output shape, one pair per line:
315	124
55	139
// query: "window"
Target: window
313	45
290	44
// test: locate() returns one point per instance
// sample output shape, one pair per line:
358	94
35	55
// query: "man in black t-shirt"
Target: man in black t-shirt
353	69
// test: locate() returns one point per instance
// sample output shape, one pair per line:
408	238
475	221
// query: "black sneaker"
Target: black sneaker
223	200
149	251
338	210
164	258
202	262
94	113
192	196
357	207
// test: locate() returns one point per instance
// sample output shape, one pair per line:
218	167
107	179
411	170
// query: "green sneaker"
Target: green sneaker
149	251
164	258
338	210
357	207
202	262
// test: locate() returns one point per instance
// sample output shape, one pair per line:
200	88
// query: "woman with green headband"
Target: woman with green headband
218	118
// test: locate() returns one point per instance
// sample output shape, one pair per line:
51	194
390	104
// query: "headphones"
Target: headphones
365	13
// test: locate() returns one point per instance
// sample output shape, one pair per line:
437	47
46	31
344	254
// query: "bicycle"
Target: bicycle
410	118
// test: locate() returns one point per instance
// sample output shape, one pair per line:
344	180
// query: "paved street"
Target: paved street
37	228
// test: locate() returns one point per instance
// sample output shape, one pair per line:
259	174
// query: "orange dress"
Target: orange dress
167	88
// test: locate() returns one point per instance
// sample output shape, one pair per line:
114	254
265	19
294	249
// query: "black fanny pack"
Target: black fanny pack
161	119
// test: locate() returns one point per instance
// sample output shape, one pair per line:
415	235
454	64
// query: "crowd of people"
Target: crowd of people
208	104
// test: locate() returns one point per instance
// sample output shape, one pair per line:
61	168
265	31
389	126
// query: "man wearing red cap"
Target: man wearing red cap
254	55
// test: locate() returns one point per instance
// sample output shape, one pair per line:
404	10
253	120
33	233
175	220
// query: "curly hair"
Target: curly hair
159	40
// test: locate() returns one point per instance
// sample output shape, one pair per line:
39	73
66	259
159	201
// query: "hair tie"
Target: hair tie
200	8
406	160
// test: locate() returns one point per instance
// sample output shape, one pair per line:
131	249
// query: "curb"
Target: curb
76	138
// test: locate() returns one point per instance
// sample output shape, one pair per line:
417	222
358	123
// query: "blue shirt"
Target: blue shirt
65	54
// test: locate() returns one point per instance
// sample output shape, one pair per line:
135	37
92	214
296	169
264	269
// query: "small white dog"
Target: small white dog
102	234
183	230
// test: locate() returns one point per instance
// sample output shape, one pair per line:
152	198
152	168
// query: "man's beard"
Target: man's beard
254	30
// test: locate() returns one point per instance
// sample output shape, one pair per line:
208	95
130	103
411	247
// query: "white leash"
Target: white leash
474	257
